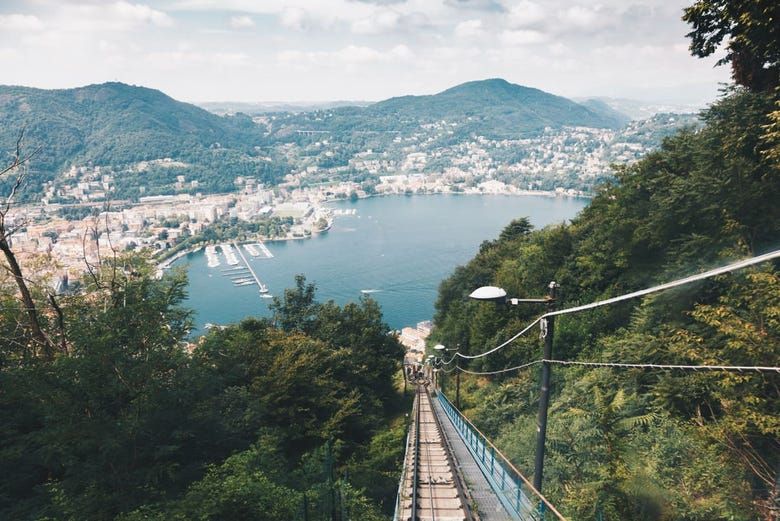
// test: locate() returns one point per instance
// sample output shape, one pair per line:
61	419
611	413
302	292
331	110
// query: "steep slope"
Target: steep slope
114	123
600	107
493	108
499	104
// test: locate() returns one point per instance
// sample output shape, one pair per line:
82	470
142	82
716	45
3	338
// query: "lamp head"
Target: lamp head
489	294
439	347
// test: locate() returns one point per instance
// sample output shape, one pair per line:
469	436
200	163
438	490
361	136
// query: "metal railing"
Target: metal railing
399	502
520	499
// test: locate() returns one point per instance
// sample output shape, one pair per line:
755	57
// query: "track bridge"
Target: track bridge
453	472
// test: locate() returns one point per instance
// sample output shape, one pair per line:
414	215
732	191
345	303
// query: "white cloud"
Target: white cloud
351	55
559	49
469	29
8	54
20	22
241	22
579	17
176	59
293	18
382	21
525	14
142	13
522	37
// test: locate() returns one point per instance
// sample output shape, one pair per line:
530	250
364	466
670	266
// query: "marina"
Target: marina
429	236
238	271
230	255
212	259
263	287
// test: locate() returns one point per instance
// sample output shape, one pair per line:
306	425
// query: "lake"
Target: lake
399	248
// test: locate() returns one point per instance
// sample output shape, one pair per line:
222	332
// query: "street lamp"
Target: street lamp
439	347
498	295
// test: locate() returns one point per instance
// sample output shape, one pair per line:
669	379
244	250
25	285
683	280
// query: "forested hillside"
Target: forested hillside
114	123
493	108
118	125
634	443
112	418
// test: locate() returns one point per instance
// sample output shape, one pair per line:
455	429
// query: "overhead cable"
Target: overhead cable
517	368
655	289
736	368
679	282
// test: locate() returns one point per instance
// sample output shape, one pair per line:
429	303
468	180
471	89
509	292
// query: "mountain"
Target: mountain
502	104
264	107
638	110
601	107
492	108
114	123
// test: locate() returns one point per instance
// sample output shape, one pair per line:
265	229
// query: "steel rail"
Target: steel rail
460	481
416	457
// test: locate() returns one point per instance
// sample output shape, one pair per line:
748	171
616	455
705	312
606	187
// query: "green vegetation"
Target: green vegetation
493	108
116	124
635	444
261	420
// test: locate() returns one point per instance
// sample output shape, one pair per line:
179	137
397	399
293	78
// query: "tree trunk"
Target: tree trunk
29	305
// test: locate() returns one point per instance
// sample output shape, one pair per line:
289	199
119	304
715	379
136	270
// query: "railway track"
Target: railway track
432	489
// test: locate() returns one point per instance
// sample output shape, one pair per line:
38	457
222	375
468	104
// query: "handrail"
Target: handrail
494	451
399	495
416	455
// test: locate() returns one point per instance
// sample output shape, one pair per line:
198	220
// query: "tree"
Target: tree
18	166
752	32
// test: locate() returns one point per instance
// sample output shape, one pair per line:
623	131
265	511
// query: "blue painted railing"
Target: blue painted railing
512	489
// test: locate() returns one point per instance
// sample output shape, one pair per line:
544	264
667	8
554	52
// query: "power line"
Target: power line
618	365
675	283
737	368
501	346
517	368
655	289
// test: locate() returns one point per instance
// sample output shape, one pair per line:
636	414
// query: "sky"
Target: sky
319	50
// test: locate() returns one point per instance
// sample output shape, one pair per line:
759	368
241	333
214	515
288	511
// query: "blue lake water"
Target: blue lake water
401	247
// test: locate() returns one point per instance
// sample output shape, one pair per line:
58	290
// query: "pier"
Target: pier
263	287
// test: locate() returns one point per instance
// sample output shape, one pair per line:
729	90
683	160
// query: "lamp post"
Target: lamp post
440	347
498	295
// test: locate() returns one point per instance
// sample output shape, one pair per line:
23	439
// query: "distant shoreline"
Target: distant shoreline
168	262
524	193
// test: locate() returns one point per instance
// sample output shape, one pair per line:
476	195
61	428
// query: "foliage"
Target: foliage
752	34
114	124
633	444
131	422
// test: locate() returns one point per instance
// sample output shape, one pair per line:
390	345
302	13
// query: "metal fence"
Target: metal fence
514	491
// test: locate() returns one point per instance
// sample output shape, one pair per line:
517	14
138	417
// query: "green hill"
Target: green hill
601	107
496	107
621	441
492	108
114	123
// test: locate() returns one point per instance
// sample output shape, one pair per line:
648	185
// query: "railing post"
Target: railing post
492	459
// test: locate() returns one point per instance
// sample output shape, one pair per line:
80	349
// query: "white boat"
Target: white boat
212	259
252	250
230	255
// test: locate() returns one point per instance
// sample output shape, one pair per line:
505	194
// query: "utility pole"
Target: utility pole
548	329
457	388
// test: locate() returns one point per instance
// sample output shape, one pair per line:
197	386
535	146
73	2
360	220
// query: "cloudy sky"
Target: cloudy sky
314	50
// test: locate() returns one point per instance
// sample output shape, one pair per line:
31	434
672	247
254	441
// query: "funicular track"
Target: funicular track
432	489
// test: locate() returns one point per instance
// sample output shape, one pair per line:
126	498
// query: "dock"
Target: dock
263	287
